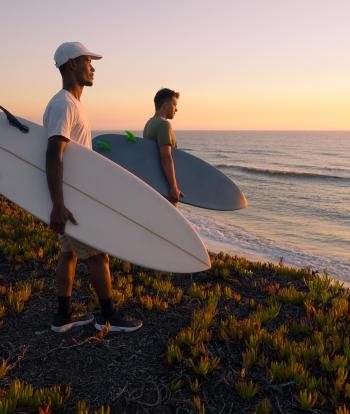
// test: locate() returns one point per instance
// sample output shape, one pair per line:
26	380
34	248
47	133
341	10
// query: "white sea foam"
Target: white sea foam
233	240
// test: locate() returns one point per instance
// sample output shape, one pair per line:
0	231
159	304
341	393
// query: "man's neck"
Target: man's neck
160	114
74	89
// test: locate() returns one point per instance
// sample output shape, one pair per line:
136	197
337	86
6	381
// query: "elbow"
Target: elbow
54	152
165	161
51	156
54	160
166	158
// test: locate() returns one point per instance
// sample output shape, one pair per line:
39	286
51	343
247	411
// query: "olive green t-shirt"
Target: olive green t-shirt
160	130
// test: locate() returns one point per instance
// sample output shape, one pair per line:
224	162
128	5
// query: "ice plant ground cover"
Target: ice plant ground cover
242	337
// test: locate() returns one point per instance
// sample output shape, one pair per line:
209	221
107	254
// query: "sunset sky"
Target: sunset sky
238	64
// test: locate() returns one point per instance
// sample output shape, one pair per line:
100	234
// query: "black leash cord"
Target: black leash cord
14	121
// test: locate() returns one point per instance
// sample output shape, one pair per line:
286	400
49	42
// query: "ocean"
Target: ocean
298	188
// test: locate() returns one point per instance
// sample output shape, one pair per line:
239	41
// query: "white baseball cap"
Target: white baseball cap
72	50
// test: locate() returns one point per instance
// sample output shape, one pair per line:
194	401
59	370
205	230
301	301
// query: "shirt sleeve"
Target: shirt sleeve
59	121
164	134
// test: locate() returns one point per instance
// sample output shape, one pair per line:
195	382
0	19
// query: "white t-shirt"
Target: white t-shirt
66	116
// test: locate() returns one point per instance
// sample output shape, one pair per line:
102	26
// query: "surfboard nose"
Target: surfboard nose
196	263
207	262
244	201
203	261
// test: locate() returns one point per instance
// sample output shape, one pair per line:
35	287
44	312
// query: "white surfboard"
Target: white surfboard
117	212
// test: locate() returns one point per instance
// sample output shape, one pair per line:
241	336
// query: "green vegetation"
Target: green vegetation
275	339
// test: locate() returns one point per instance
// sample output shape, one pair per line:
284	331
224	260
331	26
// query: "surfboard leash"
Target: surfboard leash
14	121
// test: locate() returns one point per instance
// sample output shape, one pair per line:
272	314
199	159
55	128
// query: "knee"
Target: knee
70	258
101	259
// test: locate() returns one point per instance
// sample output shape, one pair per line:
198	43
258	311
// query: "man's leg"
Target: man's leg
100	278
65	272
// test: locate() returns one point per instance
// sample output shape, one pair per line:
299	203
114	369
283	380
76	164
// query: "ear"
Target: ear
72	64
165	104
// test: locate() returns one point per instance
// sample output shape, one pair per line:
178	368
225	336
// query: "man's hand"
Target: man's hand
59	217
175	194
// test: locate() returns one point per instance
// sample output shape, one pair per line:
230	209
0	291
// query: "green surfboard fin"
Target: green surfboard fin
131	137
104	145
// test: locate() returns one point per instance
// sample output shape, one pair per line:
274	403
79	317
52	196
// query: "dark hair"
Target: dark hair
163	95
63	68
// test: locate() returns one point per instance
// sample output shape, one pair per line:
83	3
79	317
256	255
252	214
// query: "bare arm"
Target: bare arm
54	174
167	162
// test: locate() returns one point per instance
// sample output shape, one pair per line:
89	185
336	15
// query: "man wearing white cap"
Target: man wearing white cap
65	120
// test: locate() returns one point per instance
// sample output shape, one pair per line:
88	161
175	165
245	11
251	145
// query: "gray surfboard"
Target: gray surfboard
203	185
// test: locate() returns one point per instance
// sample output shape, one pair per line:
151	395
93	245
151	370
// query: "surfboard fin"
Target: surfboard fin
104	145
131	137
14	121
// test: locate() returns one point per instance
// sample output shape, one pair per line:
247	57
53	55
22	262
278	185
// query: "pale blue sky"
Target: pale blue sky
237	64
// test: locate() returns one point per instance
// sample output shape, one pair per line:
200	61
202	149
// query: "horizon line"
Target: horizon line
239	130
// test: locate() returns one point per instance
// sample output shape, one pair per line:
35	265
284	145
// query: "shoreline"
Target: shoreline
215	247
234	239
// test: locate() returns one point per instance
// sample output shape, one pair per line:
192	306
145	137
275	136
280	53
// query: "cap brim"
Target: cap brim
94	55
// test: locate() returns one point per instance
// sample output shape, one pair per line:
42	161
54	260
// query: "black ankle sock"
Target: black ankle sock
64	306
107	307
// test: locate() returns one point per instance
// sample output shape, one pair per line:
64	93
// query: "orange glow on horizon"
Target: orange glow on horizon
256	113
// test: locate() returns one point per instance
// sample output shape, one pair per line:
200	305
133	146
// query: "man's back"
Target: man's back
159	130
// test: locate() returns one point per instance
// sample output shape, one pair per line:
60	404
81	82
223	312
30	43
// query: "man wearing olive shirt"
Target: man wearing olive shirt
159	129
